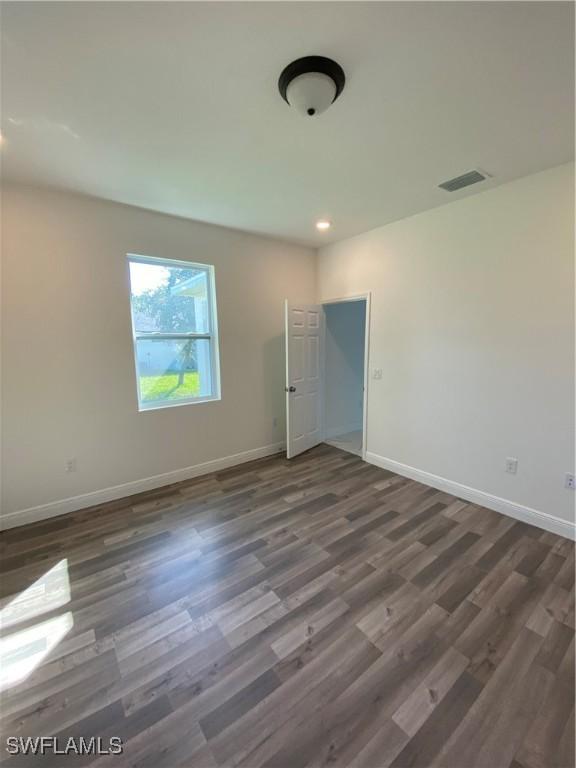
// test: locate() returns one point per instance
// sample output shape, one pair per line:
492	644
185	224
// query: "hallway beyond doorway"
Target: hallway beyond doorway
350	442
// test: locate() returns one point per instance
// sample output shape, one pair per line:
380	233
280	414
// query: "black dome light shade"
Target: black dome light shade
311	84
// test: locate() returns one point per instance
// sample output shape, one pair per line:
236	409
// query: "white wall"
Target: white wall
344	366
69	386
472	322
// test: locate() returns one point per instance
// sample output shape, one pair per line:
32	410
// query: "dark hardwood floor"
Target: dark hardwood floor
317	612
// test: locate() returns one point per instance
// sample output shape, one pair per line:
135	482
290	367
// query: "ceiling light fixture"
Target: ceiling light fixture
311	84
323	225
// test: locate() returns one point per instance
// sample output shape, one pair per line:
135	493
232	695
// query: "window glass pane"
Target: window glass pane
172	370
169	299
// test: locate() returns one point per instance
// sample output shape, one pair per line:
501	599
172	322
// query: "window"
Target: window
175	332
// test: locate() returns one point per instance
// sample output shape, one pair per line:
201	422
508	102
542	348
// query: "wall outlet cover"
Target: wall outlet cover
511	465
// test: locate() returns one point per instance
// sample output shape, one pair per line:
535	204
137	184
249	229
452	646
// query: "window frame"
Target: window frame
211	334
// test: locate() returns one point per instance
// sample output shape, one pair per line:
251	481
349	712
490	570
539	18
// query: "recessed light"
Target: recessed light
323	224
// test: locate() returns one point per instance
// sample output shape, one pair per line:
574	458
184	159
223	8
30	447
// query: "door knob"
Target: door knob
290	389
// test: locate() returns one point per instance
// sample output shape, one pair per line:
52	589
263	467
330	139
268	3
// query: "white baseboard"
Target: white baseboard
511	508
62	507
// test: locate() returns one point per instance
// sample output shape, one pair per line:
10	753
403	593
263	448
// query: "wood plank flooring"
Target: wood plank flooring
317	612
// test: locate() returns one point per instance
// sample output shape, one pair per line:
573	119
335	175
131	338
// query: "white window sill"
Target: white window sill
160	404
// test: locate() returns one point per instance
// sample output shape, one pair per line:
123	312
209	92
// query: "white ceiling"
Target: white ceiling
175	107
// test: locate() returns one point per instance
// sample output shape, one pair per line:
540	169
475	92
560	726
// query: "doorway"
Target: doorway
344	352
326	372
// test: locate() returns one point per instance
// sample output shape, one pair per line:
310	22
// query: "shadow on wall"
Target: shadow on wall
274	362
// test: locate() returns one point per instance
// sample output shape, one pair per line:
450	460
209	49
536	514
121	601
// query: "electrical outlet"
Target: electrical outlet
570	481
511	465
70	465
377	373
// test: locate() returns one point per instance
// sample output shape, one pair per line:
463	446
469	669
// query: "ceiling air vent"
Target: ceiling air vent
472	177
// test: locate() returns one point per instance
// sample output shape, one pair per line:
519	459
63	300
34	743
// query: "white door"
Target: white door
304	344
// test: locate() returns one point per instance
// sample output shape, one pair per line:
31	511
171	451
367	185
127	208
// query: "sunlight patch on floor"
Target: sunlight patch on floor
22	651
